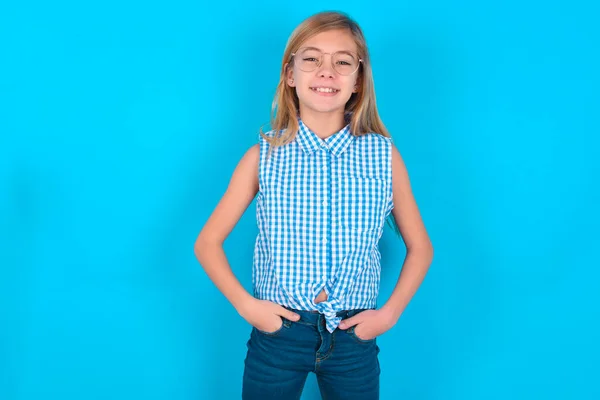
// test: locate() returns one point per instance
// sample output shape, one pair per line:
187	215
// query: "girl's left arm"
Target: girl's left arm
419	254
419	249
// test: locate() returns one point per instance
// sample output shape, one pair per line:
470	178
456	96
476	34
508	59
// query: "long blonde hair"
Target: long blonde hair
361	108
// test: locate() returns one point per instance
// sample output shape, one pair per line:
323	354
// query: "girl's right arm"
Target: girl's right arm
208	247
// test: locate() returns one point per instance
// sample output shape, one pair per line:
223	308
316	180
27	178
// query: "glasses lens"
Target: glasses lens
308	59
345	63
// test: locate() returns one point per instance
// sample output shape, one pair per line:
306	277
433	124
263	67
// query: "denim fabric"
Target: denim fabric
277	363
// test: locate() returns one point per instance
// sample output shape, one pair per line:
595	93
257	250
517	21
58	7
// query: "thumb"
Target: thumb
285	313
347	323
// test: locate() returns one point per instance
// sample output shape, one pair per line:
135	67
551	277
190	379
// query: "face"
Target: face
324	90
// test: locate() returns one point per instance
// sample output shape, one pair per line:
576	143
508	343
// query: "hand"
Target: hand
265	315
369	324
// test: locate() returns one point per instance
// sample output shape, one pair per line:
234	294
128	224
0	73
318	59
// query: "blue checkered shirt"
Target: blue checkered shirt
321	210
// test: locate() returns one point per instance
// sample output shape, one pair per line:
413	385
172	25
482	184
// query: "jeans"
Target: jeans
277	364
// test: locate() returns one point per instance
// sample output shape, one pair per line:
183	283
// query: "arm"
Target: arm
208	247
419	250
419	255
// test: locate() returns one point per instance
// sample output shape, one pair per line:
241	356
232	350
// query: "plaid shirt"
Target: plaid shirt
321	209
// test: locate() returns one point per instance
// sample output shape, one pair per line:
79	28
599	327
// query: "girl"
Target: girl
325	179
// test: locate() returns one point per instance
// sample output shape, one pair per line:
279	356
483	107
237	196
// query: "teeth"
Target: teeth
325	90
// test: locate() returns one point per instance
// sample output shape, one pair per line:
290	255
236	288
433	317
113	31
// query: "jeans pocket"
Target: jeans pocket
284	325
352	333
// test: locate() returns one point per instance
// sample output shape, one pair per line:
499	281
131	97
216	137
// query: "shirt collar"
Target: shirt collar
336	143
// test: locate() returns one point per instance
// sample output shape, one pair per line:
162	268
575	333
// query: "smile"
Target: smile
325	90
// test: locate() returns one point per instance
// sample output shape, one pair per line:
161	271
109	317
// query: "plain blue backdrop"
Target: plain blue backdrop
121	124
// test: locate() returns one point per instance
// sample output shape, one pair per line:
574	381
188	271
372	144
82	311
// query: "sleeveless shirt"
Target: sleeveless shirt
321	210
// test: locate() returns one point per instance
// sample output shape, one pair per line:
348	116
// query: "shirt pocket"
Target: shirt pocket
362	203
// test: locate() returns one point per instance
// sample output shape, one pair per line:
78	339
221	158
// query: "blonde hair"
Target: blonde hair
361	108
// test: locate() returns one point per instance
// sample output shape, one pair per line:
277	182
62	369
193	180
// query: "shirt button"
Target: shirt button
324	240
324	203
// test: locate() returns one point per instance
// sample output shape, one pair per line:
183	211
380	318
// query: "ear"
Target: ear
356	86
289	75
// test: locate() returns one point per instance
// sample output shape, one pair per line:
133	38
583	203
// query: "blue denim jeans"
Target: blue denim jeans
277	364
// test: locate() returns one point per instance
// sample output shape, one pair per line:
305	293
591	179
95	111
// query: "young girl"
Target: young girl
325	179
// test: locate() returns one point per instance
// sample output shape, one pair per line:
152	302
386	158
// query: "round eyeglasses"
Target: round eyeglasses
309	59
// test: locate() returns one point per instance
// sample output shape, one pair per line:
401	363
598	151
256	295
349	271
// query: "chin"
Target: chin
324	108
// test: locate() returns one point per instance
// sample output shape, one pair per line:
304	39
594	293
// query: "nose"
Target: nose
326	67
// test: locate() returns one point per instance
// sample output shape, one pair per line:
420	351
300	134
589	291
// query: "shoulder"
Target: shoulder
265	139
274	141
374	140
268	135
251	156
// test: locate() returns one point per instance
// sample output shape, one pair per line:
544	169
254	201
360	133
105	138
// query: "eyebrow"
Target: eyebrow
339	51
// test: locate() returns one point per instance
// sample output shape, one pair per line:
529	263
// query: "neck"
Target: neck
323	124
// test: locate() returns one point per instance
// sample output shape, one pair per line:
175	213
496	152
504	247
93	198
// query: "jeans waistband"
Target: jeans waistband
313	317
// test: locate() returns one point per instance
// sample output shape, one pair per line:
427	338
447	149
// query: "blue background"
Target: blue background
120	127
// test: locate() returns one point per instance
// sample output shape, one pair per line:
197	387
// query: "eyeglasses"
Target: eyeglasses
309	59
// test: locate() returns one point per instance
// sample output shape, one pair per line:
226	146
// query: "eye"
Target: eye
343	63
311	59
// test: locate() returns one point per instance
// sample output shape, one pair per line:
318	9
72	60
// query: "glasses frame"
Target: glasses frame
360	60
